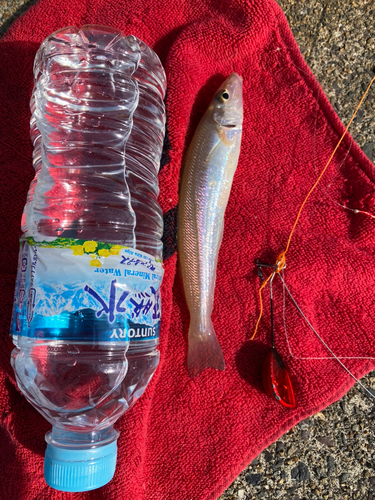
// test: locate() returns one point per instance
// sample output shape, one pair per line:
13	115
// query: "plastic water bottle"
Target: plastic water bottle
86	313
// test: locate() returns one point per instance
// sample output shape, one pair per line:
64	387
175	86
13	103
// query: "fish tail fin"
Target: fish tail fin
204	350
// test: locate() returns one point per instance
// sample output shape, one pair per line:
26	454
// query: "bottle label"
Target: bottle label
71	289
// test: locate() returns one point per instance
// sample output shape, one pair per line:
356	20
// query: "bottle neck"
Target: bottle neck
81	440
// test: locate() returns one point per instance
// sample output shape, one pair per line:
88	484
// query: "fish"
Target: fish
207	175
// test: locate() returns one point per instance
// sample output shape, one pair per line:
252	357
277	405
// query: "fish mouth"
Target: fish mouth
230	125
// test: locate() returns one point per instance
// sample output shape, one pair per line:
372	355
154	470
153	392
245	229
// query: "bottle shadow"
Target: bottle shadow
28	426
10	466
165	43
22	425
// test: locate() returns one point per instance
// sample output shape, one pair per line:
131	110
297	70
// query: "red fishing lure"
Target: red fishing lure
275	377
276	381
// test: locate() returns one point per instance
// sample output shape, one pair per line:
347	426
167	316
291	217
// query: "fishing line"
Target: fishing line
302	71
307	358
281	259
325	191
356	210
322	341
272	322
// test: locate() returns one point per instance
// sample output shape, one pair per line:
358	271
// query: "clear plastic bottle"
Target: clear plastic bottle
86	315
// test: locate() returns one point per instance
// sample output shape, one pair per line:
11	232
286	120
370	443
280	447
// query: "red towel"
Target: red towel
188	439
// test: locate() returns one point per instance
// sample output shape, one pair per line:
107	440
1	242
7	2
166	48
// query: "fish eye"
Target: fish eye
222	96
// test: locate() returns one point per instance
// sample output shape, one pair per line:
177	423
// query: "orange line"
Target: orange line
326	166
281	259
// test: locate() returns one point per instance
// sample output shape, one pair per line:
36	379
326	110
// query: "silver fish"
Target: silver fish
208	171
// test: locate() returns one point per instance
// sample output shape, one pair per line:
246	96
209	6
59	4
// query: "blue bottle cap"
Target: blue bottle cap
73	470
